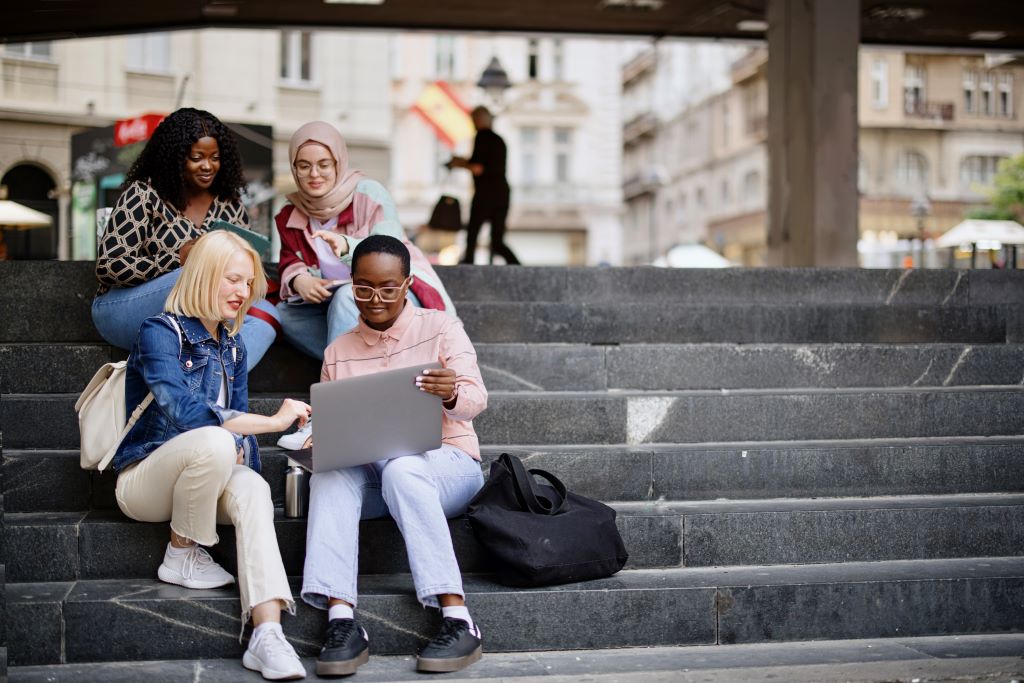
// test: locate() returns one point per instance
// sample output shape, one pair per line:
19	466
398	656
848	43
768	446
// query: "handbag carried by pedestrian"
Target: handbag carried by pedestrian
447	213
541	534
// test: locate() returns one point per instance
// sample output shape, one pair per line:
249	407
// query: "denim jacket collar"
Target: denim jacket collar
196	332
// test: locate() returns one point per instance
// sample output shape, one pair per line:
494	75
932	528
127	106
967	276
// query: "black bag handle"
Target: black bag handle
526	490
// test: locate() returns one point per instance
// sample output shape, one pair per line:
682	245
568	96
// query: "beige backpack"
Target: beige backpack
100	409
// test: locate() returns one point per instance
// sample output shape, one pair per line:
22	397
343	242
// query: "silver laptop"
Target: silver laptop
359	420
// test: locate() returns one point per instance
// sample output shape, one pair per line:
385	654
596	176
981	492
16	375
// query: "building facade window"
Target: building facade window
726	127
970	91
880	84
913	89
34	50
296	56
558	60
752	186
987	94
979	170
563	155
911	171
149	52
442	153
532	58
444	57
1005	94
529	138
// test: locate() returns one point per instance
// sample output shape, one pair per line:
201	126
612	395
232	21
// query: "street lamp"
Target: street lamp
494	81
920	208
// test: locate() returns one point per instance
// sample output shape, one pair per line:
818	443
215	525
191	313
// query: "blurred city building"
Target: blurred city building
560	119
933	128
53	90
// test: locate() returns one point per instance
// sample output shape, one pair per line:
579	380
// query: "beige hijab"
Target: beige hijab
340	196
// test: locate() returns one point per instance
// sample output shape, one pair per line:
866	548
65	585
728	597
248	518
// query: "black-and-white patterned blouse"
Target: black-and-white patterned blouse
145	233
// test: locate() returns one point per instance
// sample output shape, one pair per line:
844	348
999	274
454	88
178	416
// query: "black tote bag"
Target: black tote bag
447	215
542	535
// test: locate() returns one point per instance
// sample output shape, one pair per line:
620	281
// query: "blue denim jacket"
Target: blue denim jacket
184	373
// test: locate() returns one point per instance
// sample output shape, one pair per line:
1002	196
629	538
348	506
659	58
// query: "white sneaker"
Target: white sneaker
295	440
273	656
194	569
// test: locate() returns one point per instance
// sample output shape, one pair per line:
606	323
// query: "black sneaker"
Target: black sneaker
454	648
345	649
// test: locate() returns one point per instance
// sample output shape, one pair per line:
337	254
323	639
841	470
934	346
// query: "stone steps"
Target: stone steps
56	622
927	658
52	481
795	455
617	323
52	546
636	305
26	368
67	282
544	417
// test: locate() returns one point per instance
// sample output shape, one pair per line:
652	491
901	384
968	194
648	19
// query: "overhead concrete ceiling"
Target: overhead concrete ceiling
935	23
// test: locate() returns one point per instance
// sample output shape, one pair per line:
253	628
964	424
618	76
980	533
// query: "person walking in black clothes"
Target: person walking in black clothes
491	196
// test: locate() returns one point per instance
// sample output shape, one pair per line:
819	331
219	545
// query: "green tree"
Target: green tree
1006	199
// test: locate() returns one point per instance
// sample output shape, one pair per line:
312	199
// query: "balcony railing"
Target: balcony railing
645	182
941	112
639	65
551	196
638	126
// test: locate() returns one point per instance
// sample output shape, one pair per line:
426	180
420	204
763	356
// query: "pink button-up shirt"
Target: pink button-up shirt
419	335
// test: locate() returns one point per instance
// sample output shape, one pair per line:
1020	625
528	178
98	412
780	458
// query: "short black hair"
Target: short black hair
382	244
162	161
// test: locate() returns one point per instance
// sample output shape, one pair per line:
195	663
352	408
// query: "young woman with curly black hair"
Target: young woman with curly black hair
188	176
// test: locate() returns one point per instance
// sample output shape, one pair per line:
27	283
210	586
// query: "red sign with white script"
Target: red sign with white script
138	129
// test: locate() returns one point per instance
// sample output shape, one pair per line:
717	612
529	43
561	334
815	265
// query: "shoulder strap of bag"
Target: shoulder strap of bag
139	409
526	489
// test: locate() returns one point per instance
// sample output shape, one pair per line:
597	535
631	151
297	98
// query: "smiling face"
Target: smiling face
235	285
315	169
380	270
202	164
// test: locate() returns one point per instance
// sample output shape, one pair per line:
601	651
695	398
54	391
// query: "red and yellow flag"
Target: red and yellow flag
442	110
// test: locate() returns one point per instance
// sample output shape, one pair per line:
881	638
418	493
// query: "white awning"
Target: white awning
977	231
20	217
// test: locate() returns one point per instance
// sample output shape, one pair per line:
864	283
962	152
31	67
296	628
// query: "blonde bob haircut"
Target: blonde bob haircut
196	291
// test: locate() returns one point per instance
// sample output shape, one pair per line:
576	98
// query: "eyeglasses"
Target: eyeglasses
388	295
323	167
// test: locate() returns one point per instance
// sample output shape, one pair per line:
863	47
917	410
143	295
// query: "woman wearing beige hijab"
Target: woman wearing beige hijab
334	208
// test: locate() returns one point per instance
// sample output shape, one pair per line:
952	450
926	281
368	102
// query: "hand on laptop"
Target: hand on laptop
440	382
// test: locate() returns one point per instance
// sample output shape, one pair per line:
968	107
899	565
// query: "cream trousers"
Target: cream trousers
193	481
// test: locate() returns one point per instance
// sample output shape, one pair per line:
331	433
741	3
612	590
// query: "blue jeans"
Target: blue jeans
419	491
312	327
119	313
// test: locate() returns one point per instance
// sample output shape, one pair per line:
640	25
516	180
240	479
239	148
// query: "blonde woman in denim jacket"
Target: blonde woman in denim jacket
192	458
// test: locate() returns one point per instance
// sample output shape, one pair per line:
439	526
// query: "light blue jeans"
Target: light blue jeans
312	327
419	491
119	314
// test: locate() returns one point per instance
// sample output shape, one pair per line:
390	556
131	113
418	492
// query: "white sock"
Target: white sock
340	612
258	632
177	552
460	612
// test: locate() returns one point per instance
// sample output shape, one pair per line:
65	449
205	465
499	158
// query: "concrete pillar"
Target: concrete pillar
812	132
